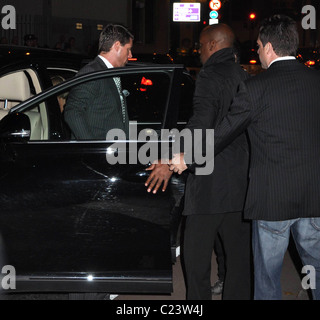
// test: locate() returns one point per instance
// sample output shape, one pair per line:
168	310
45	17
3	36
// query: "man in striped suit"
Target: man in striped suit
280	108
95	107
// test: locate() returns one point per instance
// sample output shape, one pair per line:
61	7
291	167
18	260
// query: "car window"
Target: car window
61	72
146	95
186	99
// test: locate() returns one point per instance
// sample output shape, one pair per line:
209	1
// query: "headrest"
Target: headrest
15	86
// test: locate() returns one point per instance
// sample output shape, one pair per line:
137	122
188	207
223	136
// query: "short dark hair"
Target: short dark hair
281	31
111	34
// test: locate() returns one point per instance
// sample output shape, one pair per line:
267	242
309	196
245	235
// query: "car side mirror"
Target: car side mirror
15	127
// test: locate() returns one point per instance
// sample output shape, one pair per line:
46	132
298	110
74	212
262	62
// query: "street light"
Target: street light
252	16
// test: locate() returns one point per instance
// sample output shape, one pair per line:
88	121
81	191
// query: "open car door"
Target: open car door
73	221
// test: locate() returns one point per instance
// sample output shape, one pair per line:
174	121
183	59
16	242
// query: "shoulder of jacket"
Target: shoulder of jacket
89	67
211	71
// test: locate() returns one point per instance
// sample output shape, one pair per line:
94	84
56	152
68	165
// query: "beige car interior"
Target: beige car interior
14	89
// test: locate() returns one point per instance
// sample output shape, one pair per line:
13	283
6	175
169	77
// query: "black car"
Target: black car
71	220
47	62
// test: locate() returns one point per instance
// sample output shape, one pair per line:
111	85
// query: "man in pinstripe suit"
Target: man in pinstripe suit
95	107
280	108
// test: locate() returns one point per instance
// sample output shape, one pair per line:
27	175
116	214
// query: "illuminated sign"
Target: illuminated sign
186	11
215	5
213	21
214	14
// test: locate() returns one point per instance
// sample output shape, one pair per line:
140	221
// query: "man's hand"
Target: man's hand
177	163
160	174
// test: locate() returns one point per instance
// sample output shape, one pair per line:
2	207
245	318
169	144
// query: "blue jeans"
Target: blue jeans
270	242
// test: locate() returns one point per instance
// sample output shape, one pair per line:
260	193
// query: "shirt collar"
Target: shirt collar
106	61
282	59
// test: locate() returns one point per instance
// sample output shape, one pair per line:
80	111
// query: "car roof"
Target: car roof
152	58
14	55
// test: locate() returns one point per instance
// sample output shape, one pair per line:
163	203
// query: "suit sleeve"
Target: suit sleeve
80	99
206	106
76	113
230	127
235	122
206	103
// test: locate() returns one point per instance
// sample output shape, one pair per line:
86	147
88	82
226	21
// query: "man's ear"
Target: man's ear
117	45
269	48
212	45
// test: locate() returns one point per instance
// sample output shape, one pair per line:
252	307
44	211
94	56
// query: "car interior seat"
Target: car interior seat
14	89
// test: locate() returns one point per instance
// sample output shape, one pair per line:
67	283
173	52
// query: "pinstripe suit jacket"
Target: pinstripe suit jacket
281	110
94	107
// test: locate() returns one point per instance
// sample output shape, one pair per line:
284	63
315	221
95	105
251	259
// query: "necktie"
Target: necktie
117	81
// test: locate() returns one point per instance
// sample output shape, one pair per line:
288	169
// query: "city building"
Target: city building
77	24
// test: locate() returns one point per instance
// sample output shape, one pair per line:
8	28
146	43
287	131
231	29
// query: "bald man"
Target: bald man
214	202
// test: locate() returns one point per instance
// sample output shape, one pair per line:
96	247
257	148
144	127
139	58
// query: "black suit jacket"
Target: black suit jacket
225	189
94	107
280	108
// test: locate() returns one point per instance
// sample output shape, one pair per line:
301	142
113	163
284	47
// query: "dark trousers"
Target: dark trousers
199	236
219	252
